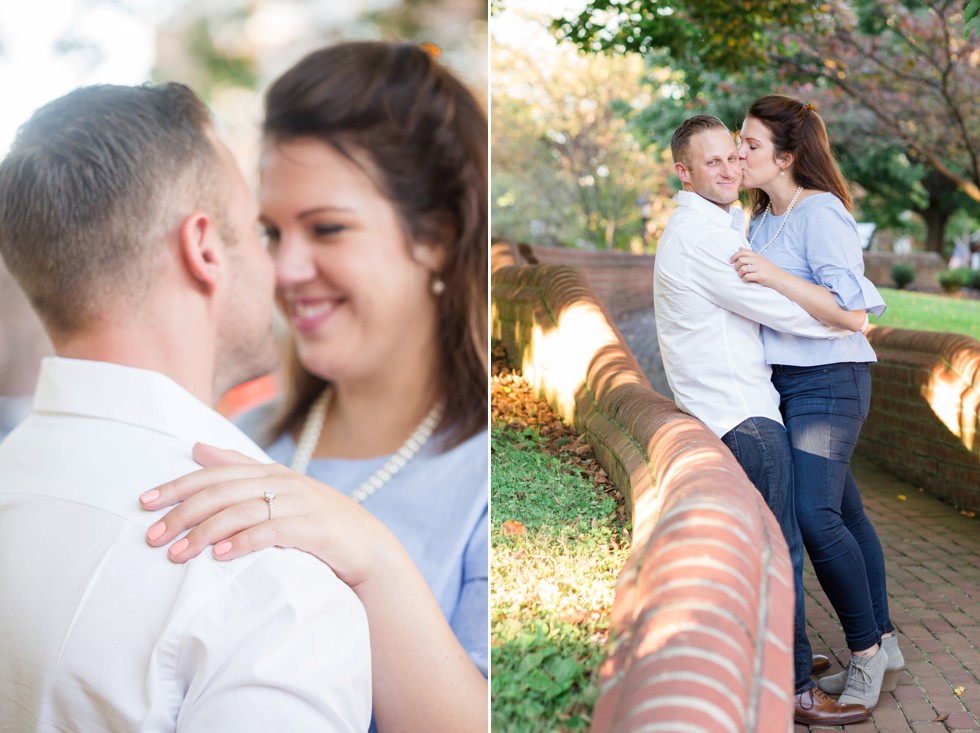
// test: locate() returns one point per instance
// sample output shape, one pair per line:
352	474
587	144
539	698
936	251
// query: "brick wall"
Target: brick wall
623	281
925	410
701	634
928	265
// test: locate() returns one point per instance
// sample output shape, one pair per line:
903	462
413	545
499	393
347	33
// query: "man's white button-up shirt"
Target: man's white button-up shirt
100	632
708	318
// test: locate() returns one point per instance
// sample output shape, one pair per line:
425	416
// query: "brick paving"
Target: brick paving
932	556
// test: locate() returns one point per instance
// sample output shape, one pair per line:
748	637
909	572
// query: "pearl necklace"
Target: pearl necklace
765	213
313	426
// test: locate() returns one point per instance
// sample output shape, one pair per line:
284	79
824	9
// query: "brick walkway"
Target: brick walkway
932	554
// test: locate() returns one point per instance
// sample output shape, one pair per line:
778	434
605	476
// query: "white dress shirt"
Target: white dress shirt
708	318
101	632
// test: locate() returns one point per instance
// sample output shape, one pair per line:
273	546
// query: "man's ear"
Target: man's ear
199	250
681	170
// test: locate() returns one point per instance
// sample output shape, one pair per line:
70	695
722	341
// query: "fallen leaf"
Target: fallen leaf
940	718
968	514
901	497
959	691
512	527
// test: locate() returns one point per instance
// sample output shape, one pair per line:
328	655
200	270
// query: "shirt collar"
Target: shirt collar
139	397
734	218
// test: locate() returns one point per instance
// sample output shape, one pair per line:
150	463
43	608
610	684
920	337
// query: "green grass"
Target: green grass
928	312
552	588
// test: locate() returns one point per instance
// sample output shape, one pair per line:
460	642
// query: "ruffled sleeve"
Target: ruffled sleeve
837	262
854	292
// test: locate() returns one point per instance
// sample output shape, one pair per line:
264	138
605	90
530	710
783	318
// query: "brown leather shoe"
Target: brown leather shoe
820	664
813	707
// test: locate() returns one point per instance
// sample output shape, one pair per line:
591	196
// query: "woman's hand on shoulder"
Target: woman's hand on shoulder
224	505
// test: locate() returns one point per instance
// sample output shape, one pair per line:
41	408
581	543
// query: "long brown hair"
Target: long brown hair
796	128
425	135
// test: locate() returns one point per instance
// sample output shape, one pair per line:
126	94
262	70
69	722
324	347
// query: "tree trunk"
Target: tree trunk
936	220
941	207
611	233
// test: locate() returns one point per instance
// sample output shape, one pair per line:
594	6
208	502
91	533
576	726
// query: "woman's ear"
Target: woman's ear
430	250
431	256
784	161
199	250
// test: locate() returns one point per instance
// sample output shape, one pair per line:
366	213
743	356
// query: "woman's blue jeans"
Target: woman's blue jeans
762	449
824	408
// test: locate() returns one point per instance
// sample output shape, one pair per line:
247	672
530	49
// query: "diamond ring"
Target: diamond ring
269	499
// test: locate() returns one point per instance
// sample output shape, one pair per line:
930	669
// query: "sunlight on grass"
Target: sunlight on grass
928	312
553	583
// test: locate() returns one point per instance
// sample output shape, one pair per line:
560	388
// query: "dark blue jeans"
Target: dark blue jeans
824	408
761	447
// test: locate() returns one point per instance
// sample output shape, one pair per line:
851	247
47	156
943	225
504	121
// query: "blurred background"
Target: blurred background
228	51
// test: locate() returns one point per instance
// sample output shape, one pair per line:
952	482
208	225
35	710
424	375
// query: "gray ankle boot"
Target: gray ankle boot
896	662
834	684
864	677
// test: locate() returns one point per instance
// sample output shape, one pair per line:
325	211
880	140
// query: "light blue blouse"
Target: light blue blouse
819	243
437	507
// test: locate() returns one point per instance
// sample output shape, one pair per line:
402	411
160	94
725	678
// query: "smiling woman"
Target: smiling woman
373	197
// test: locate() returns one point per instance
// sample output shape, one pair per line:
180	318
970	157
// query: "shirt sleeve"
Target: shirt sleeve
470	621
283	646
833	253
712	276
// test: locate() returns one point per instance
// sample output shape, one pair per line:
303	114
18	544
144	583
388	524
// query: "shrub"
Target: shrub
952	280
974	281
903	273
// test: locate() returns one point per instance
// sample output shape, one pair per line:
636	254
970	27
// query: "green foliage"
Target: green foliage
217	65
972	16
536	489
973	279
928	312
903	273
700	34
551	587
538	675
569	161
954	279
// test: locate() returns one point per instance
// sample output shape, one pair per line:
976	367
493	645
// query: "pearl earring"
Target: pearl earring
438	287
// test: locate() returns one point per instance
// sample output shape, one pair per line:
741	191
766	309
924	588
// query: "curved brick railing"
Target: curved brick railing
923	423
925	412
701	625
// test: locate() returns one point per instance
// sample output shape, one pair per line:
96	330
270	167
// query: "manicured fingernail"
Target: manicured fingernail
156	531
222	548
149	496
179	546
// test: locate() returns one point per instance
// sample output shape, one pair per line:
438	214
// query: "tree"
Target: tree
565	152
702	35
901	75
912	67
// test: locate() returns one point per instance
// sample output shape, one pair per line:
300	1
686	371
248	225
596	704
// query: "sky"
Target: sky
107	44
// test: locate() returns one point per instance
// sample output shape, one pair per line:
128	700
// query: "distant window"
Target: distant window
866	231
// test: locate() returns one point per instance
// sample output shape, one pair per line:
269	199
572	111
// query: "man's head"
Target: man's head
706	159
90	188
106	192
